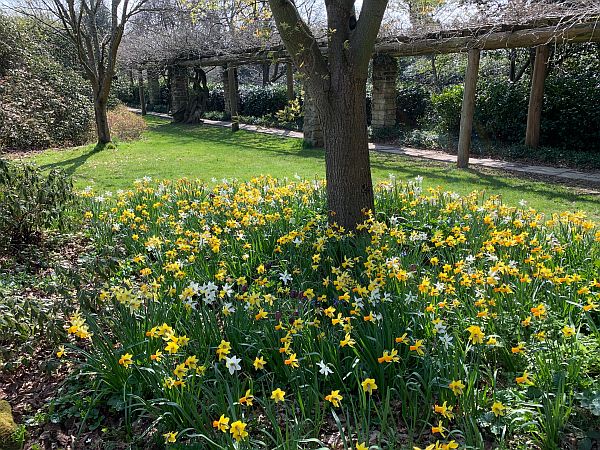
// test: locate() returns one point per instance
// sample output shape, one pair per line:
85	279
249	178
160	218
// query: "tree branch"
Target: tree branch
364	35
298	39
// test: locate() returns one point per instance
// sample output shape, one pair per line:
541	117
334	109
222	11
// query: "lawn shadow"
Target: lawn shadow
185	134
483	178
440	173
72	164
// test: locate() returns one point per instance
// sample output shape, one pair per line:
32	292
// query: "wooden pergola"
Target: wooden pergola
540	33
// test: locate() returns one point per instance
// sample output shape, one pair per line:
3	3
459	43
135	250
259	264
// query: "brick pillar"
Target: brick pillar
383	105
313	132
225	81
153	88
179	91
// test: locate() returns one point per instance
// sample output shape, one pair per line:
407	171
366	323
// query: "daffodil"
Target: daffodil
247	399
476	334
126	360
259	363
222	423
334	398
278	395
369	385
457	387
292	361
170	437
498	409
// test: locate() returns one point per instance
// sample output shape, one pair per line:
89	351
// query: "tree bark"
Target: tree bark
512	56
347	165
338	86
266	70
102	128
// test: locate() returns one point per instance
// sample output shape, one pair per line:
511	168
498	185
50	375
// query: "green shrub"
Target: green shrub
412	102
125	125
256	101
216	99
31	202
570	115
260	101
43	103
571	112
501	110
446	106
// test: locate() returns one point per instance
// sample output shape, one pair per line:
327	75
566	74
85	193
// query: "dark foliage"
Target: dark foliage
42	102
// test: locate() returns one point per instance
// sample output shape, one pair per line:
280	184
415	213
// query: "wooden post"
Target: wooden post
141	90
468	107
536	97
233	98
290	81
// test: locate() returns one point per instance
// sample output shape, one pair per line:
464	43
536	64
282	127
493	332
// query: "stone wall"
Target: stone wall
153	88
383	109
179	89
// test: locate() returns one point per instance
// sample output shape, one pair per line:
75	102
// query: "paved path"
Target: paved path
591	178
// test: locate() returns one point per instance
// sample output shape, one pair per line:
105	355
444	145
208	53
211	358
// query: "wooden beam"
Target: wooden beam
556	34
233	99
290	81
468	108
536	96
141	91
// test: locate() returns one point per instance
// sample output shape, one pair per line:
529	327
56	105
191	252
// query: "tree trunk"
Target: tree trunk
349	186
102	128
512	72
266	68
141	91
434	72
290	81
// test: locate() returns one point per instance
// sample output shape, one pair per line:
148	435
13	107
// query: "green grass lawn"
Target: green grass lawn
170	151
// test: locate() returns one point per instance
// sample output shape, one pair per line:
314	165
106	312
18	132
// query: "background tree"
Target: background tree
96	28
338	85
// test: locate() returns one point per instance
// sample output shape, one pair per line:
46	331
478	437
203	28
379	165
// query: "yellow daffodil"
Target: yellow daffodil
369	385
334	398
278	395
222	423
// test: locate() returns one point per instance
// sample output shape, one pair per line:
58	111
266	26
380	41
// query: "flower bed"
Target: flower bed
237	316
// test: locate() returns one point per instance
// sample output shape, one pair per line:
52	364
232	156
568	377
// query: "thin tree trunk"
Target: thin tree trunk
349	183
290	81
522	70
434	72
141	91
102	128
266	68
